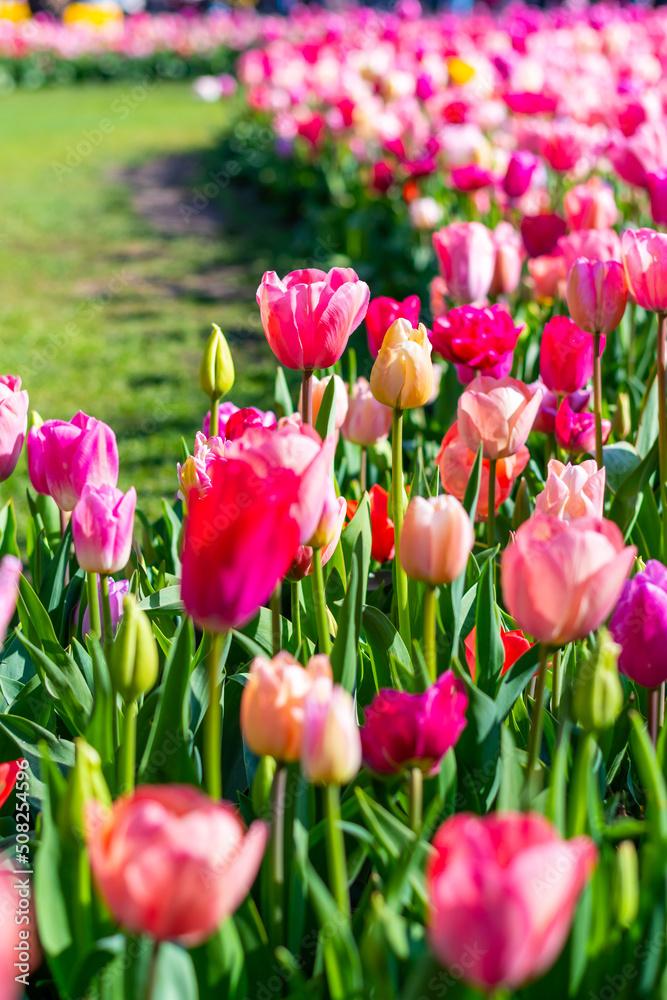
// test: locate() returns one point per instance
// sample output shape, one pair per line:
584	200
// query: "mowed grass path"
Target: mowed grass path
98	310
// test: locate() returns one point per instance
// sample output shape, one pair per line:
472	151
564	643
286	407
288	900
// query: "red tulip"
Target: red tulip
566	356
382	527
514	643
540	233
382	312
8	775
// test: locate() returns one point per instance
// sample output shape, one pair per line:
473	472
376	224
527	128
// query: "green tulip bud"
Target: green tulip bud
523	505
34	420
626	884
134	658
621	423
216	375
597	697
261	786
84	783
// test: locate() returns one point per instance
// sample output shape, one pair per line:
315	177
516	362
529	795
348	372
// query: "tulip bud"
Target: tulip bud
621	423
261	786
436	539
523	506
625	886
402	376
216	375
134	658
331	746
34	419
84	783
598	693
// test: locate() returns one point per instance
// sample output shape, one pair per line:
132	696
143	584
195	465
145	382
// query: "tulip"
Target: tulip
216	374
471	177
490	881
562	147
576	432
540	233
455	461
476	340
520	170
241	420
594	244
437	295
319	387
8	775
272	704
102	525
639	626
561	580
509	258
548	275
466	259
330	745
590	206
134	663
10	576
425	213
566	356
402	376
596	295
382	527
572	491
597	692
514	643
172	863
64	457
367	421
403	731
13	423
545	421
498	413
328	534
657	189
382	312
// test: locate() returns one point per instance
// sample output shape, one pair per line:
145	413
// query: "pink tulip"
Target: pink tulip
566	356
657	189
13	423
118	589
561	580
331	745
575	431
471	177
600	244
597	294
455	461
590	206
545	421
405	730
503	890
225	411
63	457
562	147
172	863
520	170
645	263
367	421
540	233
437	293
498	413
509	259
102	525
548	273
572	491
309	315
382	312
333	527
466	259
476	340
241	420
642	153
10	576
436	539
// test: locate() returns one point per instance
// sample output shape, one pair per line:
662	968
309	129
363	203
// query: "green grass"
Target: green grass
100	312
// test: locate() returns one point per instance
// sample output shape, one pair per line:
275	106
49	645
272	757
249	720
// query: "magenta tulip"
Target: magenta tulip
520	170
575	431
309	315
597	294
466	258
13	423
566	356
405	730
382	312
657	189
63	457
10	576
503	890
645	263
476	340
639	626
102	525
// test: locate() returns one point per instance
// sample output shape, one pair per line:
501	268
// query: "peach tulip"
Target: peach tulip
172	863
645	263
455	461
367	421
597	294
436	539
331	744
402	376
499	413
548	274
319	387
303	560
272	703
572	491
561	580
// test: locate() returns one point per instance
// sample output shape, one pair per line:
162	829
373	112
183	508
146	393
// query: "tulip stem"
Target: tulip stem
307	397
214	425
535	738
556	681
320	603
491	517
662	425
94	605
106	616
430	633
363	471
152	972
335	841
128	749
295	587
213	721
397	496
597	397
653	713
277	856
416	798
276	630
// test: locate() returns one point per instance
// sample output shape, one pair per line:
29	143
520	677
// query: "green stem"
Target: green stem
295	588
215	417
653	713
416	798
430	633
277	858
307	397
556	681
320	603
94	605
397	495
597	398
578	811
363	473
128	749
152	973
491	518
335	841
213	721
276	632
662	426
535	738
631	346
106	616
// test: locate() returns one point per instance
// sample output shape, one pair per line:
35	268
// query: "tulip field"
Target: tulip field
374	705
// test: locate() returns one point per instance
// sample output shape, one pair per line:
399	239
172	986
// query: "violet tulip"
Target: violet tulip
572	491
118	590
495	908
13	423
639	626
466	259
597	294
383	312
476	340
241	538
102	525
566	356
309	315
498	413
63	457
405	730
172	863
561	580
10	576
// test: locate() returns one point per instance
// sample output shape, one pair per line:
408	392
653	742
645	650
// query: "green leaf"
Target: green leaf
648	427
474	482
281	394
344	653
54	931
175	977
165	601
359	528
419	486
511	780
386	645
325	425
620	460
516	680
174	526
53	581
652	779
624	504
65	682
8	543
556	809
99	731
27	735
490	653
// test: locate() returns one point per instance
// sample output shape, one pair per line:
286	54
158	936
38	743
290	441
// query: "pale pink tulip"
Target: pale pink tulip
509	259
367	421
436	539
499	413
572	491
599	244
645	263
590	206
318	388
10	576
331	746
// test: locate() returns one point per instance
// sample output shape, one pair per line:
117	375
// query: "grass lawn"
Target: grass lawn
98	310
